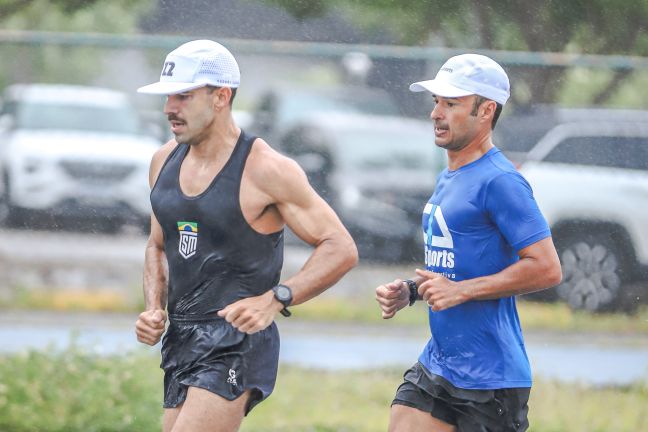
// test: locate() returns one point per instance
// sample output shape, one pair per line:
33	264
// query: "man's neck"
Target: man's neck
472	152
219	140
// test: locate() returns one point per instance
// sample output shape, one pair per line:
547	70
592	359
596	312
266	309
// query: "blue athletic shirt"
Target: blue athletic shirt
483	214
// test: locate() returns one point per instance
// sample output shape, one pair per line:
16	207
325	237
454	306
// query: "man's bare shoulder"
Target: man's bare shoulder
159	157
164	151
272	171
268	163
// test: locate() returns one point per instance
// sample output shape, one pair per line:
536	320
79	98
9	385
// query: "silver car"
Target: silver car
73	152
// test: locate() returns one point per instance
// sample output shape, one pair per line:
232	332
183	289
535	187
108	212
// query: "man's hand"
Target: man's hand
392	297
150	326
439	292
252	314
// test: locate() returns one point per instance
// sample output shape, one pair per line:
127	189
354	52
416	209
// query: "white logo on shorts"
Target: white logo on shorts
232	377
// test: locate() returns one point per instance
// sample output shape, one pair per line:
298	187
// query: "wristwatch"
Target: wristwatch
413	291
283	294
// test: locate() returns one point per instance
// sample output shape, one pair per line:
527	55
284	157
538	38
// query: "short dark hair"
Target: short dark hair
231	101
498	110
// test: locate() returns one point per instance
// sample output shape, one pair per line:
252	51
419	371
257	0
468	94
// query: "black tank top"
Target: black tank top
215	257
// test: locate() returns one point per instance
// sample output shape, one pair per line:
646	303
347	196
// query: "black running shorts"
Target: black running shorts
207	352
501	410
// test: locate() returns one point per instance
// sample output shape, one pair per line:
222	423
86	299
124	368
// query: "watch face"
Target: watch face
283	293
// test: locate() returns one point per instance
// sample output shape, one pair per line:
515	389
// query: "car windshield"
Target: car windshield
373	149
44	115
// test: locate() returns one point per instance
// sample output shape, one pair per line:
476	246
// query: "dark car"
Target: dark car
377	172
280	108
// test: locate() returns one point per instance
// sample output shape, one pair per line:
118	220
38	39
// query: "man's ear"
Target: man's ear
222	97
487	110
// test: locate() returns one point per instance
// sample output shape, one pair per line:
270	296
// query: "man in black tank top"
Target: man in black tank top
220	200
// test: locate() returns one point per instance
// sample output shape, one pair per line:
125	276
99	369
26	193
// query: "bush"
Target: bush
71	390
74	391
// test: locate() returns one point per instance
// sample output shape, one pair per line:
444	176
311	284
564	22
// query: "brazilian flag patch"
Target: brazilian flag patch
188	238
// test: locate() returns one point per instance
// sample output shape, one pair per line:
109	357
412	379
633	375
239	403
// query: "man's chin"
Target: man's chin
181	139
441	143
451	146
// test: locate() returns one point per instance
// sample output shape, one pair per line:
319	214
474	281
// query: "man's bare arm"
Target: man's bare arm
150	324
313	220
537	269
156	271
281	187
155	263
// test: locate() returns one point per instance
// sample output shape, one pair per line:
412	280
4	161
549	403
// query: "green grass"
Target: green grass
74	391
533	315
559	317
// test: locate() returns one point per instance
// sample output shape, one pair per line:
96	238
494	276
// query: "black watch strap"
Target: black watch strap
285	312
283	294
413	291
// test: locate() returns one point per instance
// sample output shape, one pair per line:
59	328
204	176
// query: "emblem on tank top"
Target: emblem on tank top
188	238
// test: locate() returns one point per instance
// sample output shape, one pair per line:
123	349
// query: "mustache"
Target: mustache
173	117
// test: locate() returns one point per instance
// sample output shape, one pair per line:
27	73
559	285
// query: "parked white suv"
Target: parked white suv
590	179
73	151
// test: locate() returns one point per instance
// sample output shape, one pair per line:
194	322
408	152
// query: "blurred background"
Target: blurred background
326	82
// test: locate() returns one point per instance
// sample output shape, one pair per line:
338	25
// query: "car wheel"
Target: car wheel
5	204
4	209
592	273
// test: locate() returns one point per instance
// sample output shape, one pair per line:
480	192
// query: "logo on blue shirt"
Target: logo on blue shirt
437	254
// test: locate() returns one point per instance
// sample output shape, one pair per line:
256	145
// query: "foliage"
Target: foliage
55	63
556	317
73	391
119	16
576	26
11	7
301	9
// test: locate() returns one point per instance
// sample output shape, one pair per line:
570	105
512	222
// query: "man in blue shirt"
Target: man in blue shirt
486	241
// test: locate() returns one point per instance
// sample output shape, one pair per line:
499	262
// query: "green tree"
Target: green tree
53	63
575	26
12	7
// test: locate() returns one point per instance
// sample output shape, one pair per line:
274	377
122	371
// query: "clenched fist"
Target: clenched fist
150	326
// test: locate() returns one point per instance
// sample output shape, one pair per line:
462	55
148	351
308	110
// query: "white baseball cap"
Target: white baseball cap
468	74
193	65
